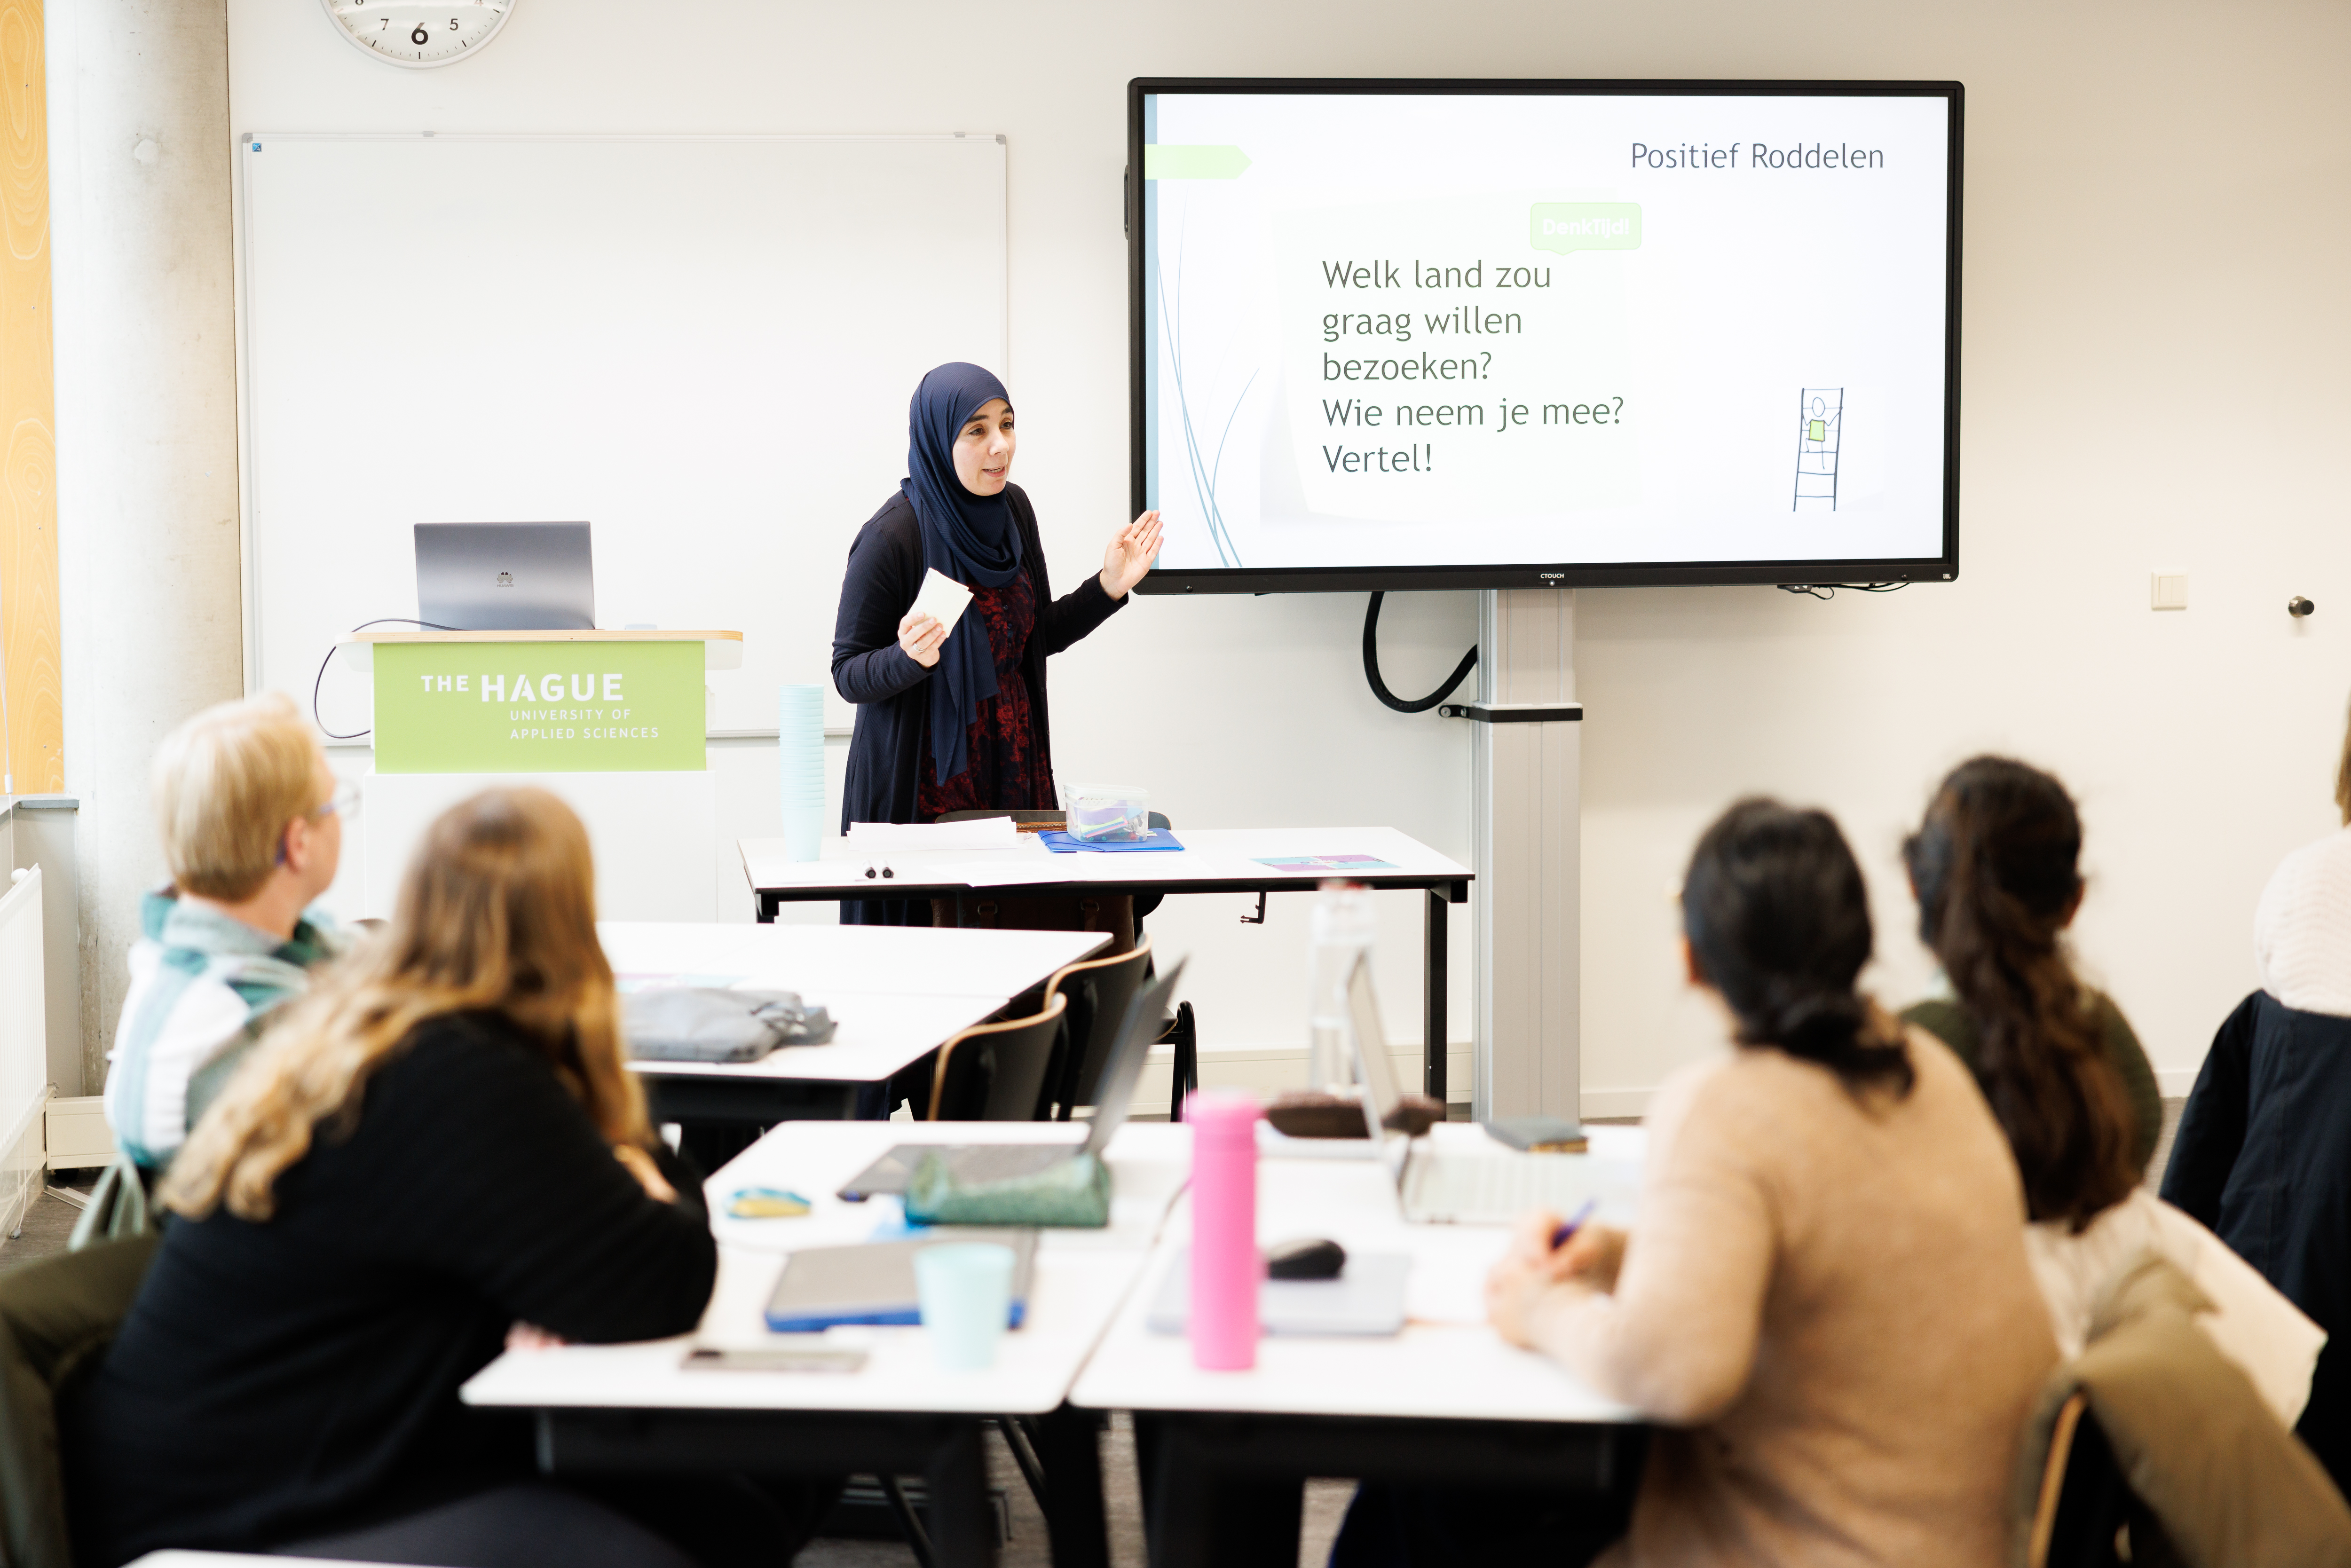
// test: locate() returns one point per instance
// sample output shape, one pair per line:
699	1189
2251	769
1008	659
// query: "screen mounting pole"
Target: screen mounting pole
1527	830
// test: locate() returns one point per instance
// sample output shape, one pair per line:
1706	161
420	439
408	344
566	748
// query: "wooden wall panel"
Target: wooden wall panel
29	452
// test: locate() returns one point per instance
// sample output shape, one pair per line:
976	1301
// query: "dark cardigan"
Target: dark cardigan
869	668
2264	1159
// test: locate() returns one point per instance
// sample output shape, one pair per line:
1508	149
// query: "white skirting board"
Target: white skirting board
654	834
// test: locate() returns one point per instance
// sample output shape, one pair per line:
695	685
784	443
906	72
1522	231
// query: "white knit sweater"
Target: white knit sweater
2301	930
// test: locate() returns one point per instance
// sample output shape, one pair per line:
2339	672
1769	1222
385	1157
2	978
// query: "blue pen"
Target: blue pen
1559	1237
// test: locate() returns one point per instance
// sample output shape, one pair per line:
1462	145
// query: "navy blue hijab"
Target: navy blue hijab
969	538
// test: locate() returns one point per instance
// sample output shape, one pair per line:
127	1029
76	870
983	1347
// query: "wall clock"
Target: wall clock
405	33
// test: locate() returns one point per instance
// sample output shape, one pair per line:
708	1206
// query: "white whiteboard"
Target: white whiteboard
704	345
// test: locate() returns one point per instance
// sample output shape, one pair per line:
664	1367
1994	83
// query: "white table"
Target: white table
1447	1398
634	1406
1213	860
897	992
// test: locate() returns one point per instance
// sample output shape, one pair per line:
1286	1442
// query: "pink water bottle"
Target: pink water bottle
1225	1262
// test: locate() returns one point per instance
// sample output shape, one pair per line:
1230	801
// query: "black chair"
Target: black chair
1099	990
57	1318
998	1072
1180	1028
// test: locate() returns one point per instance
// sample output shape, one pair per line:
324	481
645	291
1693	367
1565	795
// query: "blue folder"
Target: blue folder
1062	843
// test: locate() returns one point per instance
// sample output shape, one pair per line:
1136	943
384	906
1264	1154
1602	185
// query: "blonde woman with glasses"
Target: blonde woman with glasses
251	821
435	1149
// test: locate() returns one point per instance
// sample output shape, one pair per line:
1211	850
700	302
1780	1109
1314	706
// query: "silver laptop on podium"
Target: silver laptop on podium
1494	1185
505	576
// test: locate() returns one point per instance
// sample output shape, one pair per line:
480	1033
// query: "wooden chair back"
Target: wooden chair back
996	1072
2085	1504
1099	990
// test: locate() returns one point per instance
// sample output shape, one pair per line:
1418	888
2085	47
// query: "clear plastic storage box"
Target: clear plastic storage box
1107	812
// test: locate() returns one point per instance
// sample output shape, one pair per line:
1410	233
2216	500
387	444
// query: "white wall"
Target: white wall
2156	206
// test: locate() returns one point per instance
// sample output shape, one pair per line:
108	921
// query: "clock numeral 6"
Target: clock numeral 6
420	36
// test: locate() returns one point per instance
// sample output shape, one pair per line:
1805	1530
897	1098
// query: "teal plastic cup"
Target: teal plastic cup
965	1288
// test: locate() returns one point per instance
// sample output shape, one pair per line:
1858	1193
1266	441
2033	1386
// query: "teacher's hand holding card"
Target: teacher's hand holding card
936	609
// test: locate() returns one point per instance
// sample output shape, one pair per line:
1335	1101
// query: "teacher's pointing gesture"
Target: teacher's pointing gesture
953	719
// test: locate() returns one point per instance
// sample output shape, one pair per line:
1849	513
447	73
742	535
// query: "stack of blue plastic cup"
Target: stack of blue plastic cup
800	757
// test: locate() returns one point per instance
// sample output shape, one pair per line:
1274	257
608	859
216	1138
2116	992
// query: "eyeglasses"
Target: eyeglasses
341	803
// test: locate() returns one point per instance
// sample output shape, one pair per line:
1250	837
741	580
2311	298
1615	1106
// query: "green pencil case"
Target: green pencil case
1073	1193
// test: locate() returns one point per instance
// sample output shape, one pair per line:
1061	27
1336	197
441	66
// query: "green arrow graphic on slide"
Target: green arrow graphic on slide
1178	163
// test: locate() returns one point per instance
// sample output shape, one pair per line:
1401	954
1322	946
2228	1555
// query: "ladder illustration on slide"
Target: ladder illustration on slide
1820	425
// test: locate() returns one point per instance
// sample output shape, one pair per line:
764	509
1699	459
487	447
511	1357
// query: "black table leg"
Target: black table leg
1432	1048
1069	1446
1199	1517
770	906
963	1529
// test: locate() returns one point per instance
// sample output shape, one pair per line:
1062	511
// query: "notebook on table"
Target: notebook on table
980	1163
873	1281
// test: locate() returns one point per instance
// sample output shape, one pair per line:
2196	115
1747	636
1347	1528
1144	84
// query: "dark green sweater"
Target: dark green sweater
1949	1022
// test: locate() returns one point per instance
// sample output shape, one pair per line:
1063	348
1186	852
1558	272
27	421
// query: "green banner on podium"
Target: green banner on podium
576	706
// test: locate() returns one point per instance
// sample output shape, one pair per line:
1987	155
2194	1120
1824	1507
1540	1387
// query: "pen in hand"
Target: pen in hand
1560	1235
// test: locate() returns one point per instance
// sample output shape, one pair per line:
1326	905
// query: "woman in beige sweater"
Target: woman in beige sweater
1825	1306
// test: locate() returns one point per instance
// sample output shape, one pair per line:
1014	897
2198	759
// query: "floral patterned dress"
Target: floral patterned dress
1004	771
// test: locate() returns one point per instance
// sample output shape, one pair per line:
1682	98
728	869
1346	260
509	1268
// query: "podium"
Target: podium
614	723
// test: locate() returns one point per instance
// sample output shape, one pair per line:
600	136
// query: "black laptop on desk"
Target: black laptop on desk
1002	1162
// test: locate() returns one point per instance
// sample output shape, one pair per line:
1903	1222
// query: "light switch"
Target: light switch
2169	591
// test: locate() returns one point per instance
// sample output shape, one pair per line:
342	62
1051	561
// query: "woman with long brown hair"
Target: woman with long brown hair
1996	868
438	1145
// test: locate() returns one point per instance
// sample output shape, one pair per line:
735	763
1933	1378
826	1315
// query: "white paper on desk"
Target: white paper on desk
943	599
984	834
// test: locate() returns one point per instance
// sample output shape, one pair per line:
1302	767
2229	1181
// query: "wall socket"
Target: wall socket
2168	590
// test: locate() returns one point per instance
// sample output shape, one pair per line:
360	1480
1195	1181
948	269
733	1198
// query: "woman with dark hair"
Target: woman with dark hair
953	719
1995	866
1825	1306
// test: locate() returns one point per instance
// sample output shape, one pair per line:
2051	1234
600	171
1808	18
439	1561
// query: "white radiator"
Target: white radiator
24	1050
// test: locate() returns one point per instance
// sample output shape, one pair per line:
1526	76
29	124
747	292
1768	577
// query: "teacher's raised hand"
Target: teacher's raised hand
1130	555
920	635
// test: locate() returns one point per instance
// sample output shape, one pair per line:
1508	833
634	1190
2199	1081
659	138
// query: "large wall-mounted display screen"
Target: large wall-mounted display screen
1404	334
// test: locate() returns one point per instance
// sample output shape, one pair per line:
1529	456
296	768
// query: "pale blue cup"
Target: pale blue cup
965	1288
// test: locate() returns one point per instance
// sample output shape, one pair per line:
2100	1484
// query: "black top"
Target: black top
2264	1159
1948	1021
869	668
278	1380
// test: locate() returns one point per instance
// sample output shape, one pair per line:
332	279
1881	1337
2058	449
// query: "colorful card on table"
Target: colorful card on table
766	1203
1336	865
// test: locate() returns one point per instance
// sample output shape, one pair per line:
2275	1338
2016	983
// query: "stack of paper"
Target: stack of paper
984	833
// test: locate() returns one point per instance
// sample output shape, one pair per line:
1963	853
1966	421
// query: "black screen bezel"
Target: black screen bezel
1623	574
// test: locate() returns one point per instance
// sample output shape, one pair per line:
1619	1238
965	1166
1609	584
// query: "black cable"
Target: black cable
1829	590
317	679
1380	687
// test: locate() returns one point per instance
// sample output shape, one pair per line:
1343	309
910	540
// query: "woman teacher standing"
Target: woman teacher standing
954	721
